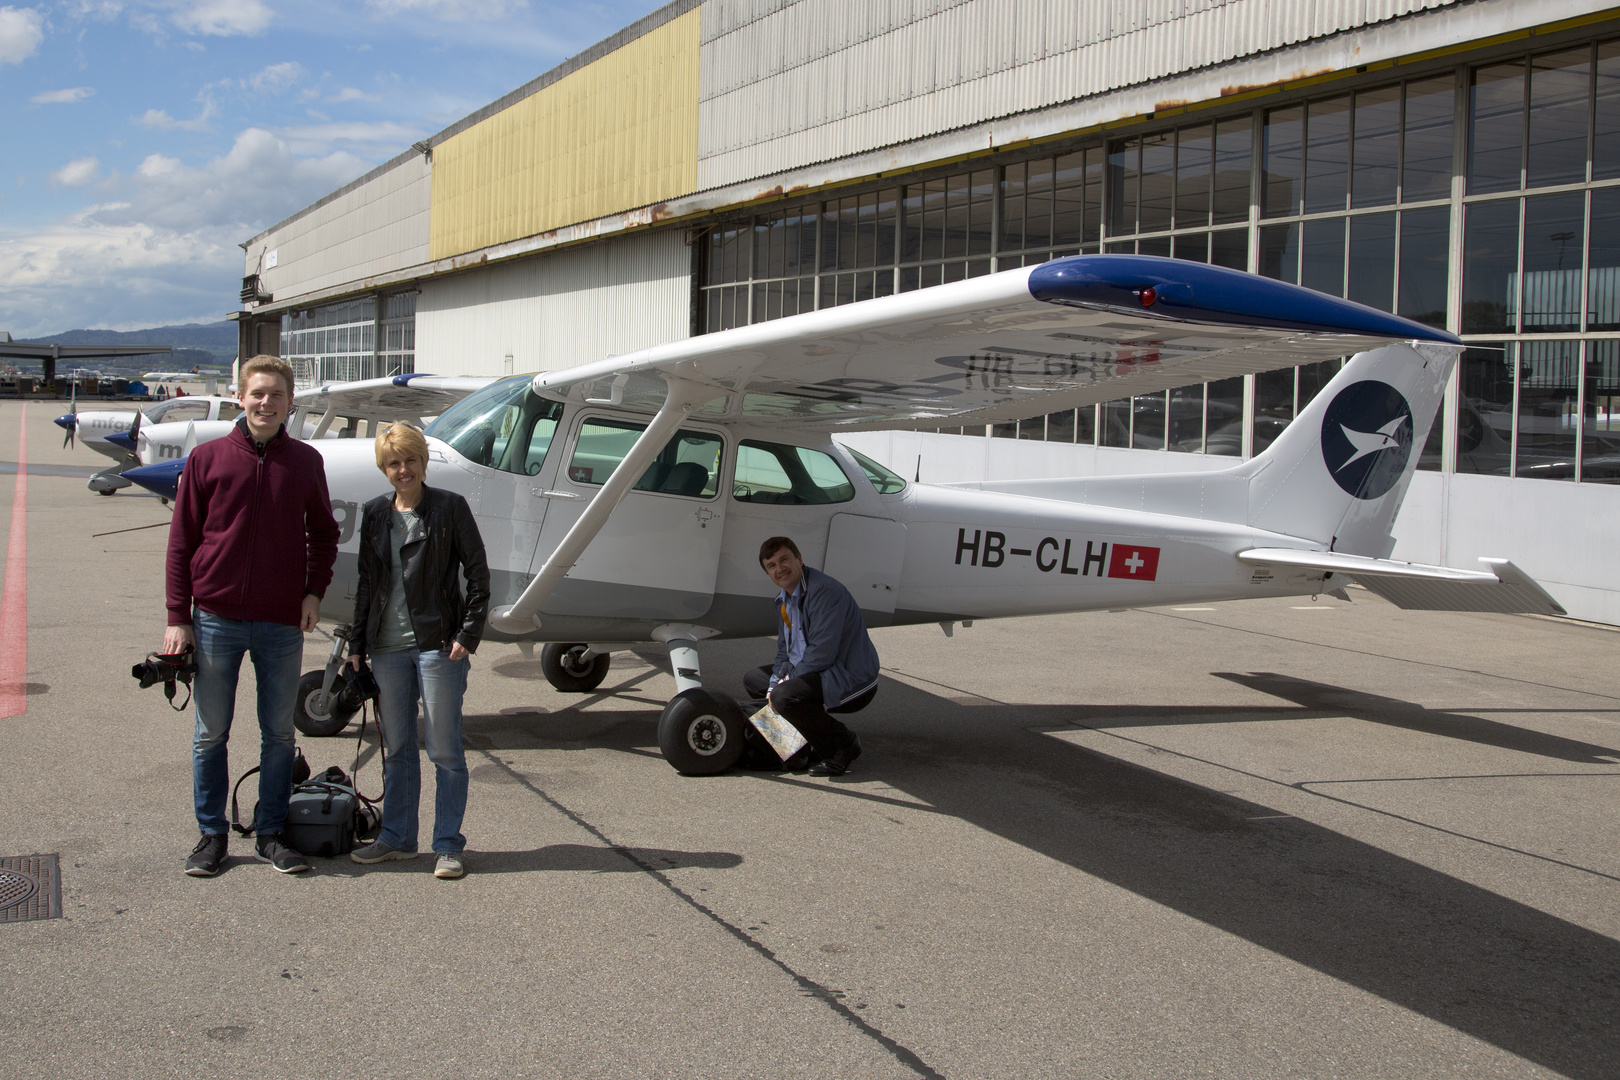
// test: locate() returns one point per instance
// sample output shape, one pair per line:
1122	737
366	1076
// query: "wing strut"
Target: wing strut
683	397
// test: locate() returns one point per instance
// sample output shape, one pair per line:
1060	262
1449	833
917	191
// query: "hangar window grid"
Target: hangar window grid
1484	199
362	338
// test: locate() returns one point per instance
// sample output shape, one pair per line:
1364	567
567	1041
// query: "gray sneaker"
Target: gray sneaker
270	849
207	856
377	851
449	866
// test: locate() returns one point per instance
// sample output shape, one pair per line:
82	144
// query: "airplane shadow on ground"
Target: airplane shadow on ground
1533	984
1500	971
1323	698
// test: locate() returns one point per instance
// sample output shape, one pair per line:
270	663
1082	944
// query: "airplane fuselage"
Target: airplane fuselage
919	554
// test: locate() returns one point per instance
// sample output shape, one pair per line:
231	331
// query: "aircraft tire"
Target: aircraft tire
701	732
311	714
563	669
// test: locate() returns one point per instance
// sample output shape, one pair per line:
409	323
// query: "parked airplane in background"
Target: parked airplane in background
107	432
625	501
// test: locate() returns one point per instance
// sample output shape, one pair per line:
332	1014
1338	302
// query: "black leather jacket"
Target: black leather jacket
432	586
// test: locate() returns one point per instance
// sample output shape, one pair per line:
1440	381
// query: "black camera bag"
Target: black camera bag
321	818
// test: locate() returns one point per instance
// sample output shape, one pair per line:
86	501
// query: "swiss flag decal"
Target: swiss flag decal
1131	561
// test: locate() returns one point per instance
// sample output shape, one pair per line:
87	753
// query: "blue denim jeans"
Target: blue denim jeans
277	652
403	677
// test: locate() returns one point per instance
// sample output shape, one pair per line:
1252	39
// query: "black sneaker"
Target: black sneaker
270	849
207	855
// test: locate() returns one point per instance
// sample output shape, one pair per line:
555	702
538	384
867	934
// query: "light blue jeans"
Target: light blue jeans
278	652
403	677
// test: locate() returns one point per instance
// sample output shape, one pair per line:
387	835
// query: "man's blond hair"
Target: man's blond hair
266	364
403	440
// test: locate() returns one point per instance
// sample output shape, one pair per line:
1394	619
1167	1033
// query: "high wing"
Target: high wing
1070	332
1415	586
397	397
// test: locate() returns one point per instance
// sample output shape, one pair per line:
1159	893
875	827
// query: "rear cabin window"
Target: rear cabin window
688	465
779	475
229	410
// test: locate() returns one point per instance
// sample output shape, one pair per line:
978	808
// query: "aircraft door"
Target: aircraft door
867	554
658	554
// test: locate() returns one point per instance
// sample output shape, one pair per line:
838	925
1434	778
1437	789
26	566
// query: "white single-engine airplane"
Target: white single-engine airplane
625	501
114	432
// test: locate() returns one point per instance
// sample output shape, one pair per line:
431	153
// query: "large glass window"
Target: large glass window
1506	174
347	341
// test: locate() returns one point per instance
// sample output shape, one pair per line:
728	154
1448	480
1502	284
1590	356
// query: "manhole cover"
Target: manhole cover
15	888
30	888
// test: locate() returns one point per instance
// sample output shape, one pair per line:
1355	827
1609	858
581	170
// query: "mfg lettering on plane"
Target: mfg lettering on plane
624	500
1134	562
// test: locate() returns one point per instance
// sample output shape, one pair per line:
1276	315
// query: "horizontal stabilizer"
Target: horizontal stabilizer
1503	588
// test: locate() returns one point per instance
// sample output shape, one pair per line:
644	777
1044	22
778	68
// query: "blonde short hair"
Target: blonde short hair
266	364
402	439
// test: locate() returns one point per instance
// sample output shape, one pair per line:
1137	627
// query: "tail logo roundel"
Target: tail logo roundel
1367	438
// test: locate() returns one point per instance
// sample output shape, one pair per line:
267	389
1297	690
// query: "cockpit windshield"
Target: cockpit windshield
504	426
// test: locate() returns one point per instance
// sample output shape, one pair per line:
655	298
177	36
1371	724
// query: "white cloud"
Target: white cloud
167	250
275	79
21	31
156	165
385	138
350	93
77	173
99	10
160	120
63	97
451	10
222	18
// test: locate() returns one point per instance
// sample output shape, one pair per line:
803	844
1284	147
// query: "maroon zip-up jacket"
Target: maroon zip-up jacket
252	532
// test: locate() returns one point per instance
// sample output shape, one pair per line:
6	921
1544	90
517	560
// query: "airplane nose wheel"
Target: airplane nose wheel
701	732
312	708
573	668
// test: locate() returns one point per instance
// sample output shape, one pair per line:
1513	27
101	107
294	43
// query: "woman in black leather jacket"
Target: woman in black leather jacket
411	619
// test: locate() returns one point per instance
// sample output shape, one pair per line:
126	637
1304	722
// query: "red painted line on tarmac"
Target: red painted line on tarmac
14	595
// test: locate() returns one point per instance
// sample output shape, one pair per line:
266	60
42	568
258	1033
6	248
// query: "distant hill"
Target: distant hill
214	339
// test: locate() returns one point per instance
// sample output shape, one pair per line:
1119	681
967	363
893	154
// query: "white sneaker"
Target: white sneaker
449	866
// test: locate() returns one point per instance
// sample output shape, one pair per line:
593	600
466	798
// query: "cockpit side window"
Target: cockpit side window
229	410
775	474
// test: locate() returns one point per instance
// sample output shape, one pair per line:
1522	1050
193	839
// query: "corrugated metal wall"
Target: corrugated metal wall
558	310
786	83
375	226
617	134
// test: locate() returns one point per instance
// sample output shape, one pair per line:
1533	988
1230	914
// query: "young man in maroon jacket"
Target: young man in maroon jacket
251	550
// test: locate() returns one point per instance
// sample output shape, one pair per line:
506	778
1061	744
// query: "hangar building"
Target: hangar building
730	161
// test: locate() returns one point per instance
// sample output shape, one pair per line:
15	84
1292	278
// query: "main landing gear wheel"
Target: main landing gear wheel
312	713
566	667
701	732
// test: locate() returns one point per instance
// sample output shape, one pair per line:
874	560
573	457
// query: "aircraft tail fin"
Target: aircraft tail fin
1338	473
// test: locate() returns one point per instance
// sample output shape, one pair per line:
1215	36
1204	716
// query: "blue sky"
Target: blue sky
142	140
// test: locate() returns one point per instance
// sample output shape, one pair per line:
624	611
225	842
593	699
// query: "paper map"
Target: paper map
784	738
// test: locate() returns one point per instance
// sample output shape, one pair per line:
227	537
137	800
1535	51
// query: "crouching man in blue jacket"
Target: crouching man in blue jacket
824	658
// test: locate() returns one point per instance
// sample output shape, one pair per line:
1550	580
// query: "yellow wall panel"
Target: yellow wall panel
619	133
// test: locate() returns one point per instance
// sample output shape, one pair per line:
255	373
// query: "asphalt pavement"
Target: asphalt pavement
1263	839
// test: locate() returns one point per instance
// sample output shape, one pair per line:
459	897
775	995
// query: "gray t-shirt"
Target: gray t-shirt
396	631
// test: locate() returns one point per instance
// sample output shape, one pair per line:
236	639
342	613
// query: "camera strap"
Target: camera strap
359	743
168	692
